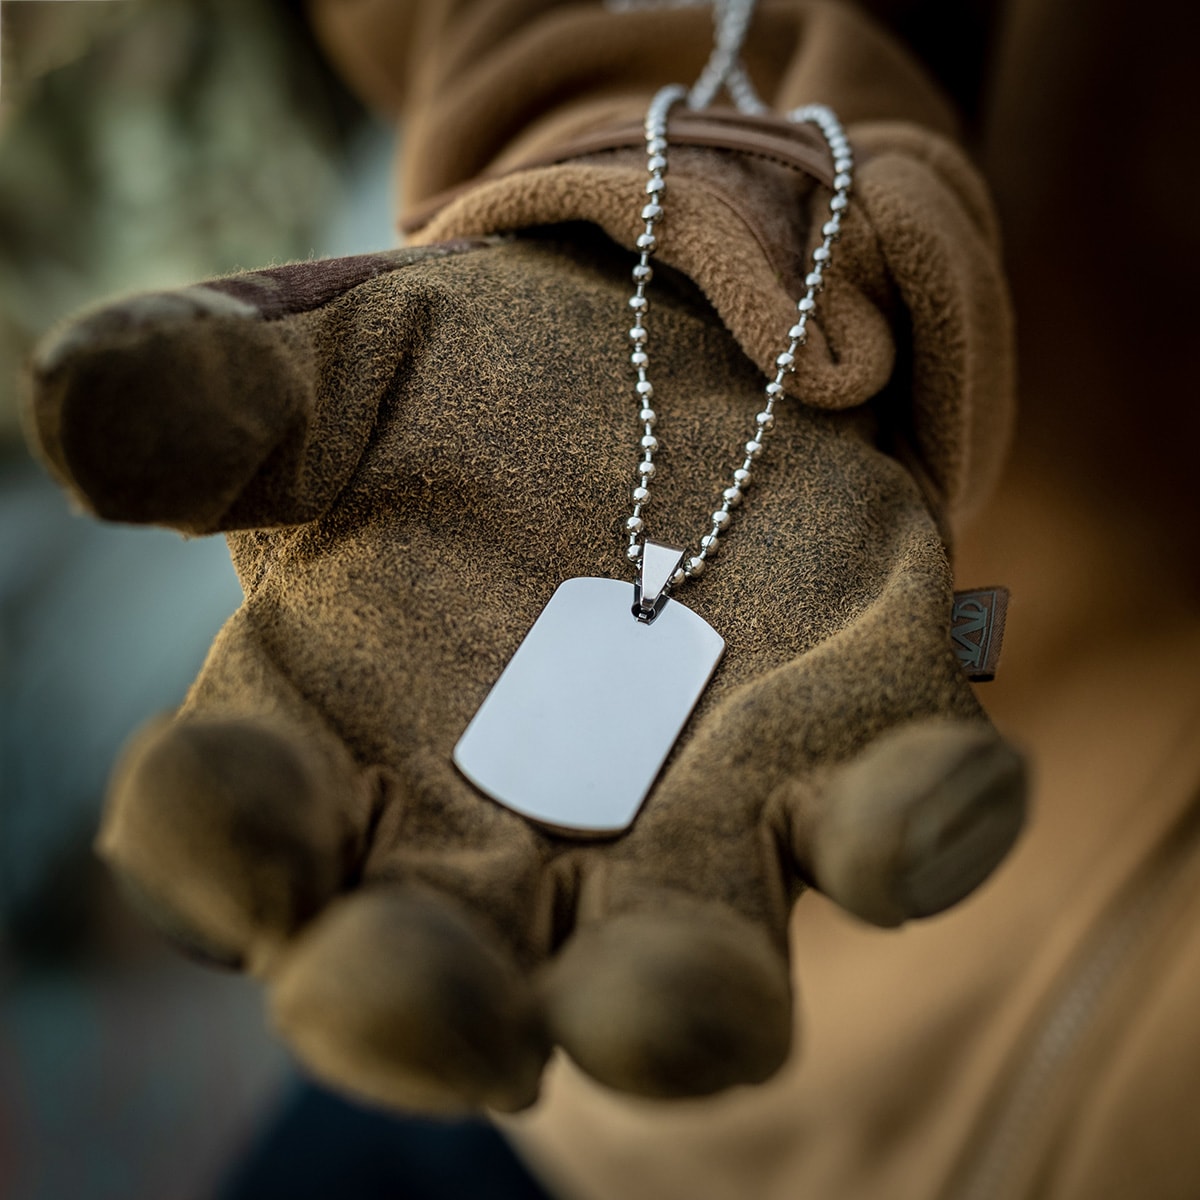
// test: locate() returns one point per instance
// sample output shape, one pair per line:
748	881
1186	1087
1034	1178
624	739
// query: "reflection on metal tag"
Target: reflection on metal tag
578	726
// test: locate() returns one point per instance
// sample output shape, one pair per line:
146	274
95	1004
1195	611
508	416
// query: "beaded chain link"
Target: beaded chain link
652	213
731	19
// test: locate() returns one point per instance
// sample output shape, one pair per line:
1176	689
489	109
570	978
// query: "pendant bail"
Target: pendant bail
659	563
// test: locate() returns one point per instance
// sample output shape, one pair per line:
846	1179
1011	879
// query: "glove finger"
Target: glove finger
238	403
911	825
398	995
681	998
433	828
228	833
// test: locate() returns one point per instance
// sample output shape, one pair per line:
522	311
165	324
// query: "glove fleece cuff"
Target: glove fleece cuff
915	314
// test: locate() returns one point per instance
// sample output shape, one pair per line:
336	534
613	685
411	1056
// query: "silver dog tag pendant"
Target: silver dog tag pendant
576	729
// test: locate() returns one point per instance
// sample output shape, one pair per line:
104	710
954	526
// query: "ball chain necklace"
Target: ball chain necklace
576	729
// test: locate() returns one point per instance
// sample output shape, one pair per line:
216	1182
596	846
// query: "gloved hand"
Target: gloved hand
410	451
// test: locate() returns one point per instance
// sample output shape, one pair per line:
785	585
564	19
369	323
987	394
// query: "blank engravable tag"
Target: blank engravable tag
578	726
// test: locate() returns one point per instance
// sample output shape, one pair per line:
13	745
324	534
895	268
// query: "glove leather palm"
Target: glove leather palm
409	452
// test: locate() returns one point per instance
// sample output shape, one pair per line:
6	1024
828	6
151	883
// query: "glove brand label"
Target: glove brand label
977	630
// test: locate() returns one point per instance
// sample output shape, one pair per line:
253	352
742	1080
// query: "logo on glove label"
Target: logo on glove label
977	630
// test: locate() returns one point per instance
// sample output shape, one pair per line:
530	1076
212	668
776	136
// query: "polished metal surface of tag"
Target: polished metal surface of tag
576	729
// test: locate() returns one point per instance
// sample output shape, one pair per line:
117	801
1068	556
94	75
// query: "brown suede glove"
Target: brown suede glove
410	451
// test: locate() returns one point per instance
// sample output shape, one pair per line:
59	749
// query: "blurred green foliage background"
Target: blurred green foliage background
143	144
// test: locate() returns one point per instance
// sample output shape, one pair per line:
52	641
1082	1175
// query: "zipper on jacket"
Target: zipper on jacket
998	1161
